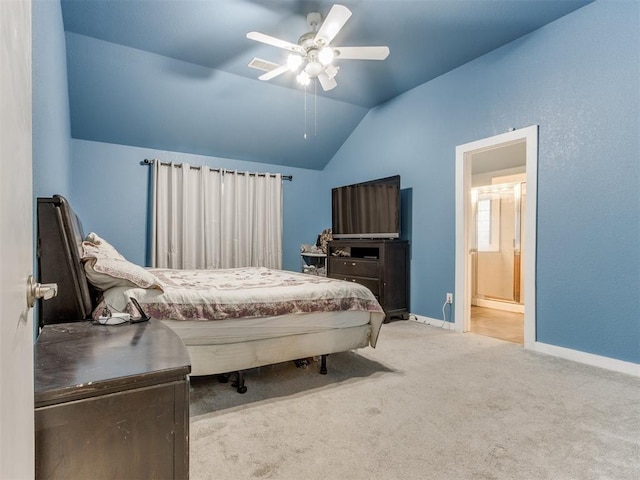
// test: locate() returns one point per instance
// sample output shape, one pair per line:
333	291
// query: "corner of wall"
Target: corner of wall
50	107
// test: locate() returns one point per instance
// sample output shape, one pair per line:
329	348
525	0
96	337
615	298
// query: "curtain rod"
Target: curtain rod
147	161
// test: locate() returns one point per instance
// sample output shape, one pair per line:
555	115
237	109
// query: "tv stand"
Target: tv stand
380	265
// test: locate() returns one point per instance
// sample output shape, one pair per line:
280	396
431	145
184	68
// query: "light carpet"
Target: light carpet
426	403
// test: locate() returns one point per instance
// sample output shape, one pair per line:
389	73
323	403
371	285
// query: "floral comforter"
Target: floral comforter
241	293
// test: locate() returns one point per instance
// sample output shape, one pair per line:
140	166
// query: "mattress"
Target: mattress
207	303
195	332
236	319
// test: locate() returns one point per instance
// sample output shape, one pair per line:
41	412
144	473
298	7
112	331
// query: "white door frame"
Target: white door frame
463	214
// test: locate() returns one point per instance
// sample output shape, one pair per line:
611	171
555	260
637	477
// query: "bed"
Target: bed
230	320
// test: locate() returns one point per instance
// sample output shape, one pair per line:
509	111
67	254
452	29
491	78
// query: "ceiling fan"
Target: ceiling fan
313	56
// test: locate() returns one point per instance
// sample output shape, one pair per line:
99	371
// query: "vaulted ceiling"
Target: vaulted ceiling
173	74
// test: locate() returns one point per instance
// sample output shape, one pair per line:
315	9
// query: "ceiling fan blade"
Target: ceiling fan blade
333	23
327	82
274	73
362	53
276	42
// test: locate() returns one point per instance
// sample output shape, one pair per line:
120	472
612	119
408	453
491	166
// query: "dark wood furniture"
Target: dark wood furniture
111	402
60	237
380	265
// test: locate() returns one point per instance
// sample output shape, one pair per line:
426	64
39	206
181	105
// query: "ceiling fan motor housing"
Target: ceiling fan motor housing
311	50
307	41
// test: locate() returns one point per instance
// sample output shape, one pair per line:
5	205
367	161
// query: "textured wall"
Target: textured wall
51	124
577	78
111	191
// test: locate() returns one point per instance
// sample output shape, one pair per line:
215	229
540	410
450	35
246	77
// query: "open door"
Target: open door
16	239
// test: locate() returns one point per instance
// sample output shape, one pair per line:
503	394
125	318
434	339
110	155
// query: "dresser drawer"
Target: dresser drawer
372	284
381	265
358	267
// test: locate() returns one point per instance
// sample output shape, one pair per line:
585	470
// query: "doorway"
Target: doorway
498	204
495	236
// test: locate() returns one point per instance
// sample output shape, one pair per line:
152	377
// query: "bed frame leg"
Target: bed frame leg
323	364
239	383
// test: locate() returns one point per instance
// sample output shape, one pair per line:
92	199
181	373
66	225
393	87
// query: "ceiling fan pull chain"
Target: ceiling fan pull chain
315	108
305	112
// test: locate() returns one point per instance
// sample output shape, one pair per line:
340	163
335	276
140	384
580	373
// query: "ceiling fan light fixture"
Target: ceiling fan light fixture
313	56
313	68
303	78
326	55
294	61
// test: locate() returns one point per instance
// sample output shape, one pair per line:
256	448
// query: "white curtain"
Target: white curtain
204	218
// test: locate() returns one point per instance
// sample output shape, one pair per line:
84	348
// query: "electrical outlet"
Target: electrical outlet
449	297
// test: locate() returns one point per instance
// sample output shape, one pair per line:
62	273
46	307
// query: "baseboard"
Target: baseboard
607	363
432	321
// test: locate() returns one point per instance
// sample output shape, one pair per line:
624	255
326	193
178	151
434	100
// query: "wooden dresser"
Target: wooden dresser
380	265
111	402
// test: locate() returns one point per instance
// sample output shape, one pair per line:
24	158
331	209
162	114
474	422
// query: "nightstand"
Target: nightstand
313	263
111	401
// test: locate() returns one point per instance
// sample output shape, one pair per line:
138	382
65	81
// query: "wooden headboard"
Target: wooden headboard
59	250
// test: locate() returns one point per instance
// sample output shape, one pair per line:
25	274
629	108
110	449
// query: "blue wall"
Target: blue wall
78	169
111	188
578	79
51	124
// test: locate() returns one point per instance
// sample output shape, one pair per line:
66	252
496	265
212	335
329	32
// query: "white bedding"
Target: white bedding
207	304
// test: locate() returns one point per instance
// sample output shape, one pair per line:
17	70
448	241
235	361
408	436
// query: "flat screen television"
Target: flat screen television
367	210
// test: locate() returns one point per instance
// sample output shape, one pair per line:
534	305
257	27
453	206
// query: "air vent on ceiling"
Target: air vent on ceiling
262	64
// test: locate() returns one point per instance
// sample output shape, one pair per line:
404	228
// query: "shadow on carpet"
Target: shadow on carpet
270	382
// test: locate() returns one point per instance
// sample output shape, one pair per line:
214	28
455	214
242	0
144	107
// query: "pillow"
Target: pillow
102	245
106	270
